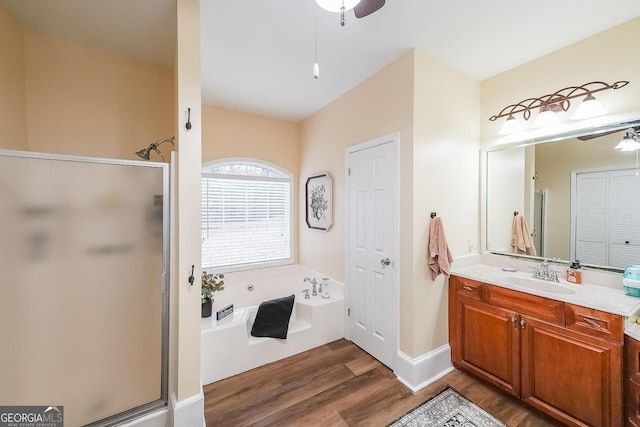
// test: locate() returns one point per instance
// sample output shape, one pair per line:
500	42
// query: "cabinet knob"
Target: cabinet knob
467	288
513	319
522	322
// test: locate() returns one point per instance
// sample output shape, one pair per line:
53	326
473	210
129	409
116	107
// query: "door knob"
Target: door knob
385	262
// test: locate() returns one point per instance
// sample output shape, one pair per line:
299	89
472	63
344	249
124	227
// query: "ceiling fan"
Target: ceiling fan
367	7
635	134
361	8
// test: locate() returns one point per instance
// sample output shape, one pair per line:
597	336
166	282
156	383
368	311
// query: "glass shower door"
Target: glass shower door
83	307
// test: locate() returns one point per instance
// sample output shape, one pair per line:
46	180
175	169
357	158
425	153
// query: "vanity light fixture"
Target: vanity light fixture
551	104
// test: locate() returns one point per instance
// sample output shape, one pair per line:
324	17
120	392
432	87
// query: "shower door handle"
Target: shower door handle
385	262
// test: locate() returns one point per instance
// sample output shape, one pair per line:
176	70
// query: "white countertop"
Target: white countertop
610	297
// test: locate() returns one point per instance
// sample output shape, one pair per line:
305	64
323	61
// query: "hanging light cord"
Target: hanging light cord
316	66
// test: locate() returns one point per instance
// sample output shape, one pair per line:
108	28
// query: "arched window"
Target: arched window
246	215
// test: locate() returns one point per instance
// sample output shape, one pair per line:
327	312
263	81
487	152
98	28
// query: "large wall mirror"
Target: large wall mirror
577	195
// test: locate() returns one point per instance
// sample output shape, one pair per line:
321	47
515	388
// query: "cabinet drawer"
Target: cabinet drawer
595	323
467	287
545	309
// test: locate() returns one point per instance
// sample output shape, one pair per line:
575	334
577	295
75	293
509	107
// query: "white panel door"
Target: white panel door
592	218
607	224
624	224
372	279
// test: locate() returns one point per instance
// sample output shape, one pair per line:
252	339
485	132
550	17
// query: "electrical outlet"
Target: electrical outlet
470	243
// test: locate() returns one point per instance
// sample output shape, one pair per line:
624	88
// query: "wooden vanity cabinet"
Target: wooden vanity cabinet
482	337
573	377
632	382
522	344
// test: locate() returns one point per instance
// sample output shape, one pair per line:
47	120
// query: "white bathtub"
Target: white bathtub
227	346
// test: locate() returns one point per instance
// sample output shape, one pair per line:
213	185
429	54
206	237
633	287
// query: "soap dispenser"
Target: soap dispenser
325	288
574	275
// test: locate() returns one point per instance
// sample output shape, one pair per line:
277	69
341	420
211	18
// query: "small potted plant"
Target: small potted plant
210	283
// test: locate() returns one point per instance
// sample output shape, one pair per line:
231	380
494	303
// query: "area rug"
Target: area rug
447	409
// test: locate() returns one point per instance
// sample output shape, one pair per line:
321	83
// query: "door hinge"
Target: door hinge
349	171
348	312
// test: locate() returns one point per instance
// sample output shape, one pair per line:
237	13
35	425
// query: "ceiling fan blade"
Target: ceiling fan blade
367	7
597	135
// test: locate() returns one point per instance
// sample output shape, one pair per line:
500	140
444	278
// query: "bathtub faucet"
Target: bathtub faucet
314	282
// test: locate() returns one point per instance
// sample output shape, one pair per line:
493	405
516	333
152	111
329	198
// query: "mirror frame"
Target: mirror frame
484	152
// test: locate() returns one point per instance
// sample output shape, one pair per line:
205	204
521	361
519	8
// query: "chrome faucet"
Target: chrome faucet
314	282
542	272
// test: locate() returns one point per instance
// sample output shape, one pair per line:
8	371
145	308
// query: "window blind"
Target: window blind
246	220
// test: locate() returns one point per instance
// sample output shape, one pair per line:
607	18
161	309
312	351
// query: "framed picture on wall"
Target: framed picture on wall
319	202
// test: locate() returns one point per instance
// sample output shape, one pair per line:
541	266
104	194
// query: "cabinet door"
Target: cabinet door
575	378
632	380
488	343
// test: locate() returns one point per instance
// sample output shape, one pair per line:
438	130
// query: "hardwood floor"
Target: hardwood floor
339	384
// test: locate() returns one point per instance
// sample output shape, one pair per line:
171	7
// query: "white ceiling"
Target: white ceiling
257	55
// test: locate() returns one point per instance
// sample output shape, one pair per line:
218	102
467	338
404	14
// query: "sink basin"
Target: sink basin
536	284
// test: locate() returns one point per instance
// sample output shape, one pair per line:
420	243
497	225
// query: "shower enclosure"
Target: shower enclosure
83	285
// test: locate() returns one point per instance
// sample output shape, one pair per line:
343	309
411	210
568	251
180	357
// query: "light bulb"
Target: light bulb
336	5
316	70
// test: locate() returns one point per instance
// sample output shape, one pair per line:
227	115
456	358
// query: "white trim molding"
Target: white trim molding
422	371
188	412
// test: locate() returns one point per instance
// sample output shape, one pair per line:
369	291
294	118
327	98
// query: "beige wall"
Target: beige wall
445	180
426	101
609	56
13	101
185	338
228	133
90	102
380	105
63	97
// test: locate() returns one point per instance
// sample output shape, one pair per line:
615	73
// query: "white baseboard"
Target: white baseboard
188	412
419	373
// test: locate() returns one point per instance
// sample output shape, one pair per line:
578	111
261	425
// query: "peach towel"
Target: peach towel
521	237
439	257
